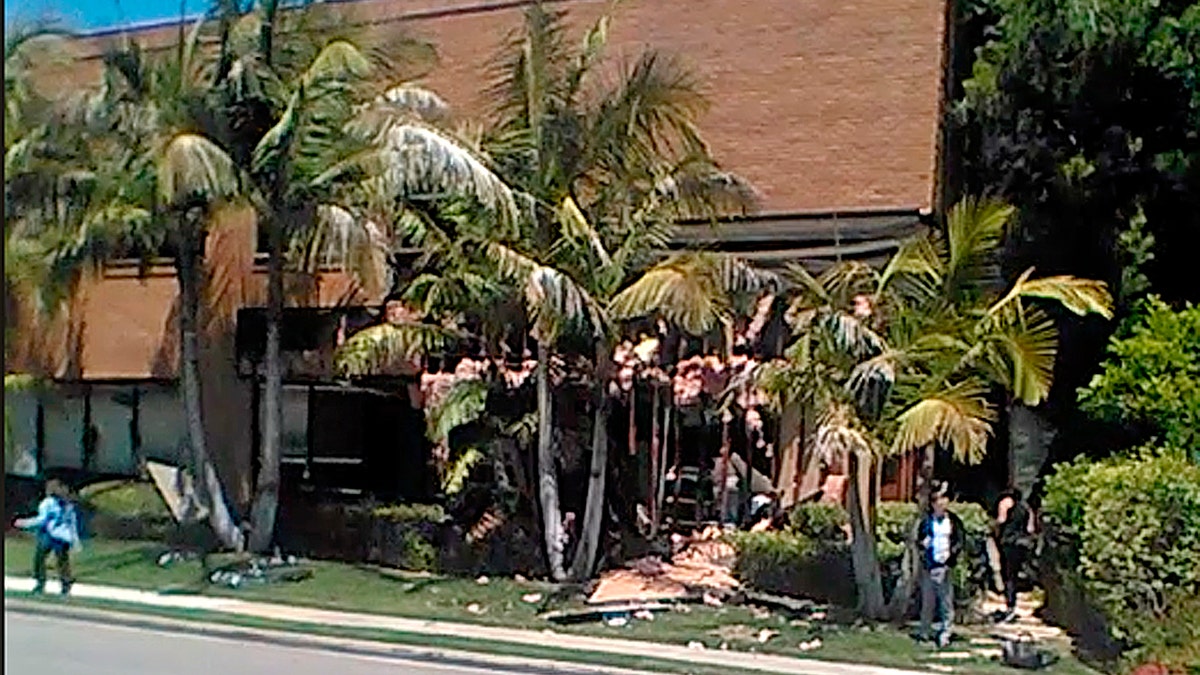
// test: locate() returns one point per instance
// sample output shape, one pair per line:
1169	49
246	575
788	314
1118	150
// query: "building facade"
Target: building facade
831	109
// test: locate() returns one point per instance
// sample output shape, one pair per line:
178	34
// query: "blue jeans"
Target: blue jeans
937	595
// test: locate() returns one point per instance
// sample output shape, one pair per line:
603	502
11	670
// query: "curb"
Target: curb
308	641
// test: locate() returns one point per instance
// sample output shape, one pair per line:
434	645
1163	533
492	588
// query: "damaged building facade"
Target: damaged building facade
832	110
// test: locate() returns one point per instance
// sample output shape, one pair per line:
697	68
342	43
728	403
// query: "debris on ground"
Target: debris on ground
474	608
603	612
483	581
702	565
792	607
276	569
171	557
810	645
532	598
735	633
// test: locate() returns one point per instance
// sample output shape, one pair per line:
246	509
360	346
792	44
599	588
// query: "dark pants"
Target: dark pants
1012	559
62	554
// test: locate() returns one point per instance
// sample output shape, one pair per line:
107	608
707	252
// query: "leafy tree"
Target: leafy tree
1151	378
1083	114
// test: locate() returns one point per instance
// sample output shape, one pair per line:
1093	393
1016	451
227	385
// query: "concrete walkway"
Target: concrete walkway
531	638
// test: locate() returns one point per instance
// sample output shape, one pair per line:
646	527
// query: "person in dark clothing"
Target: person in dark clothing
1014	527
941	537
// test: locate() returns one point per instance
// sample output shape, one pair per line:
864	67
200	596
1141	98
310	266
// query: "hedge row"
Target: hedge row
1123	554
811	557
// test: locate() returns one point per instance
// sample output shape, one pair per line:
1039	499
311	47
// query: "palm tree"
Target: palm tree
933	334
122	178
193	173
152	108
609	168
602	173
328	145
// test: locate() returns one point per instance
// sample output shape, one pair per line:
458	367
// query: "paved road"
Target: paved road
37	645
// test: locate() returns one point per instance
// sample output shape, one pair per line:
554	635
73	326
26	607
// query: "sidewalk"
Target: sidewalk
541	639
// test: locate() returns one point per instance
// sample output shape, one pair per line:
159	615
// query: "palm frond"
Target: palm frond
552	296
1080	296
917	267
685	290
871	380
339	61
851	335
1022	355
192	167
650	113
841	434
974	229
413	159
465	402
958	418
459	468
698	188
411	99
350	243
576	228
383	348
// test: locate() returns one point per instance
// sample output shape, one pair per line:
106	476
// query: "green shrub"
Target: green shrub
1151	377
125	499
820	522
1128	530
410	513
893	528
790	563
417	553
406	536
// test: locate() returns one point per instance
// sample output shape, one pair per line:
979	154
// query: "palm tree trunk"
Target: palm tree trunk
547	474
633	416
907	583
656	412
660	479
862	547
188	271
593	513
266	492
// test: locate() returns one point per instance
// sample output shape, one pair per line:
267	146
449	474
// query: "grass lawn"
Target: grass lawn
499	603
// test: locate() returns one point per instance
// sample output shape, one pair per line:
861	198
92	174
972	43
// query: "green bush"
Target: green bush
126	510
125	499
1127	530
406	535
410	513
820	522
1151	377
790	563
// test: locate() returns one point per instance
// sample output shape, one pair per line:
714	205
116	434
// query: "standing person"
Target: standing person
56	527
1014	525
940	537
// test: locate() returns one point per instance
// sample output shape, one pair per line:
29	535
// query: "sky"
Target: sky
99	15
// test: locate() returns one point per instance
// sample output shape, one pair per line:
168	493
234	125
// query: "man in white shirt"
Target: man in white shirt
940	536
